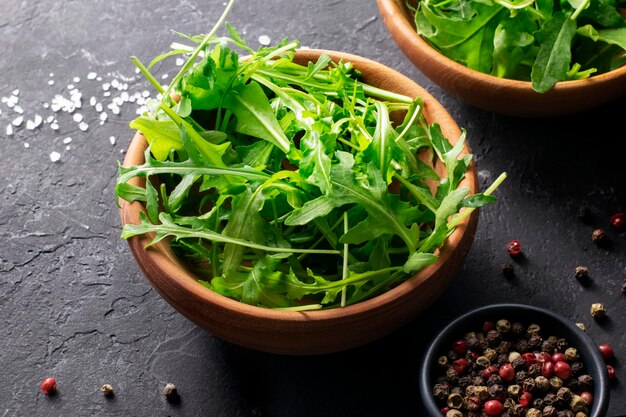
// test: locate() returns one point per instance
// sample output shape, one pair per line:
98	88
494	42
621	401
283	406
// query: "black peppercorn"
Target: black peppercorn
550	399
442	380
577	368
571	383
171	393
584	214
542	383
547	346
528	384
441	392
494	380
564	394
496	391
566	413
508	270
473	414
521	376
452	375
521	346
472	403
549	411
464	381
534	370
535	341
493	338
502	359
478	380
517	411
538	403
472	343
561	345
452	356
517	328
585	382
518	364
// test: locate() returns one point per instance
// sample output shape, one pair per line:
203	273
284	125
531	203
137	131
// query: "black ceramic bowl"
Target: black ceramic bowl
551	324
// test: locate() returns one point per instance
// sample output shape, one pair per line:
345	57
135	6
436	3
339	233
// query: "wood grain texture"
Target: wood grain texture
512	97
312	332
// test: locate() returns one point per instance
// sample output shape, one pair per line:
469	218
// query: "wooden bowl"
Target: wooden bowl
550	323
516	98
312	332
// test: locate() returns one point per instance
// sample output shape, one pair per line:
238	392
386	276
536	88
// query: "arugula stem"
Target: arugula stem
414	193
146	73
468	210
579	9
300	308
190	62
345	272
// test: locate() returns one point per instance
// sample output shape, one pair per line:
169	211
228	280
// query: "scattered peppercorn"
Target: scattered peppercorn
611	371
581	273
598	310
171	393
606	350
508	270
49	386
598	236
514	247
584	214
618	221
107	390
582	326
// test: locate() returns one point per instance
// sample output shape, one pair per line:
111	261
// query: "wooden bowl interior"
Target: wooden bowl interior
499	95
314	331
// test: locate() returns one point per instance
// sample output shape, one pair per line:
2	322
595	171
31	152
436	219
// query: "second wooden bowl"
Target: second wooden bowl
500	95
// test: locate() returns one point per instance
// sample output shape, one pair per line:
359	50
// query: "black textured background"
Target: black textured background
73	304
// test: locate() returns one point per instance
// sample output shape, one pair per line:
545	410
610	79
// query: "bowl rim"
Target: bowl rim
393	8
585	345
186	281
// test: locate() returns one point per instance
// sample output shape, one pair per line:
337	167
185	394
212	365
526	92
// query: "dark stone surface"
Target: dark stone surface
73	304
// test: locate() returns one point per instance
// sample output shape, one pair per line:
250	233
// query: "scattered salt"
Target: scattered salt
103	116
49	119
17	121
54	126
67	140
18	109
51	82
46	105
145	93
67	148
30	125
112	140
83	126
99	107
180	62
52	74
70	86
76	79
38	120
92	76
98	78
55	156
264	40
92	101
124	96
164	76
115	83
106	94
78	117
26	145
9	130
16	92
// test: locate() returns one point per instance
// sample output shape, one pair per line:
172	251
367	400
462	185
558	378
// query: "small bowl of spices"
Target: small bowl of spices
513	360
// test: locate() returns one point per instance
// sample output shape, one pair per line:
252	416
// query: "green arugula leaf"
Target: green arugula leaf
555	54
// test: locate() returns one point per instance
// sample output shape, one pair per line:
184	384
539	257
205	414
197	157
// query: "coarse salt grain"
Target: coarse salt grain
92	76
52	74
70	86
46	105
93	101
164	76
99	107
54	126
26	145
124	96
112	140
49	119
83	126
98	78
16	92
145	93
18	109
115	83
9	130
103	116
55	156
76	79
67	140
38	120
180	62
67	148
51	82
17	121
78	117
264	40
30	125
106	93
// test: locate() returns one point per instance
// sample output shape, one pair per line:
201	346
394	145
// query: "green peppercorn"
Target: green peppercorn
542	383
571	354
533	412
581	414
529	384
490	354
577	403
582	326
503	326
454	413
509	403
565	413
533	329
455	400
442	361
598	310
483	361
482	392
556	382
564	394
514	390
